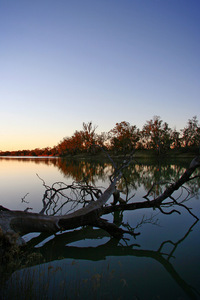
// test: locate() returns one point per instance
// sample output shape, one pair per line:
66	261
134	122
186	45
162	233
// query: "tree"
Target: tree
157	135
102	140
89	136
191	133
71	145
80	141
124	137
93	201
175	139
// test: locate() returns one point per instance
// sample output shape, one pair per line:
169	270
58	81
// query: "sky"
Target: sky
66	62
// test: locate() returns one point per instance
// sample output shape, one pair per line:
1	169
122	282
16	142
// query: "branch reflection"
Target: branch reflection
58	247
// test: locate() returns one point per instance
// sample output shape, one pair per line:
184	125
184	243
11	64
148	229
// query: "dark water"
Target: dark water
163	262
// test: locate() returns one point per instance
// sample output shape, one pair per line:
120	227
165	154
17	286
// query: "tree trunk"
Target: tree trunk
22	222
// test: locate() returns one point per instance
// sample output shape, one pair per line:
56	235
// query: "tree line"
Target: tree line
156	135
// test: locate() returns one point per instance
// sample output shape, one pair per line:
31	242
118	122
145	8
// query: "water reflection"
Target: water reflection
60	247
27	159
69	255
89	170
136	174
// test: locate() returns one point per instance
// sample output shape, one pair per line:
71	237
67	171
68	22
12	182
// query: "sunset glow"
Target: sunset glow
68	62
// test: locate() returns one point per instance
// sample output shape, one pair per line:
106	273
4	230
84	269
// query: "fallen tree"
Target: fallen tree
14	224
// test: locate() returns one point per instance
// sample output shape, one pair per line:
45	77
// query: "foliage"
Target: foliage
124	137
156	135
191	133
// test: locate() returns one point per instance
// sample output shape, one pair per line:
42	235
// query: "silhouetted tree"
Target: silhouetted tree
156	135
89	137
191	133
124	137
175	139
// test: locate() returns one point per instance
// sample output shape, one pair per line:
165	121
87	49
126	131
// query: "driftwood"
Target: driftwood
14	224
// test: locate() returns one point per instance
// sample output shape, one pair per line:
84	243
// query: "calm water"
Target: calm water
163	262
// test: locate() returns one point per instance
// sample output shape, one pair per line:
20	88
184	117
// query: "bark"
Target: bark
22	222
25	222
157	202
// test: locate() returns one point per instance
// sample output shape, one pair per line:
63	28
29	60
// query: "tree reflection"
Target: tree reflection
153	178
58	247
85	169
136	175
37	160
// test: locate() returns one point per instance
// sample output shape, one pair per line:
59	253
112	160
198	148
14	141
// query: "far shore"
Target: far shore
142	154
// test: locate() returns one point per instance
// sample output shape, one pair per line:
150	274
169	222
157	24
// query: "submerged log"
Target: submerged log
23	222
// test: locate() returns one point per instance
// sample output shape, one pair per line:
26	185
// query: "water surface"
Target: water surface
163	262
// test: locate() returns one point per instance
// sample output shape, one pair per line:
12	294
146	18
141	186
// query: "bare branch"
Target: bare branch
92	201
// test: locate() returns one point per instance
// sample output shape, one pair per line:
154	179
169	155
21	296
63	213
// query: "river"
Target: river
163	262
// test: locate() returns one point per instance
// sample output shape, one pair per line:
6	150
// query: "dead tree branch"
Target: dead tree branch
93	202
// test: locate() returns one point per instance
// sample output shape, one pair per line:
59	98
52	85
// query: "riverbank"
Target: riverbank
139	154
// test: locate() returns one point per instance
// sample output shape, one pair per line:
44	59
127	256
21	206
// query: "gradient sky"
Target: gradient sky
64	62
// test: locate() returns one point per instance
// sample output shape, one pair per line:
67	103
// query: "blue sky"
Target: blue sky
64	62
